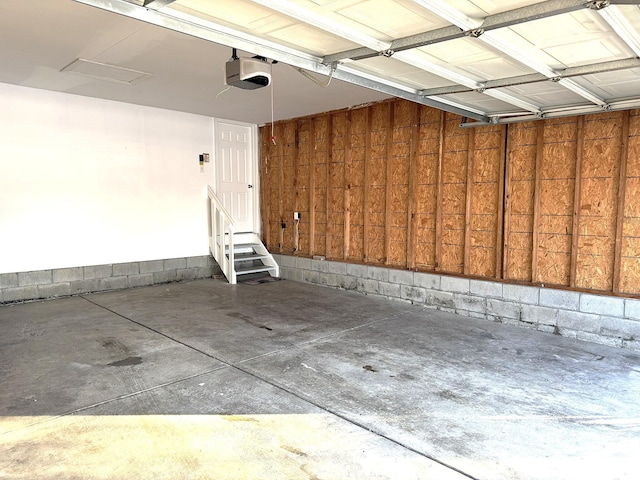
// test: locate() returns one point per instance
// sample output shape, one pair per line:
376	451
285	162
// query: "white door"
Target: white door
235	157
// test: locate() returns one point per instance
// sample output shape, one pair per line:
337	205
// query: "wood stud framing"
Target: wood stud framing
576	204
367	177
499	254
443	123
353	169
312	188
389	185
412	237
624	153
468	204
537	202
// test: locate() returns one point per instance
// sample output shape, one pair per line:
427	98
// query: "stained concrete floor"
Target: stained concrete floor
283	380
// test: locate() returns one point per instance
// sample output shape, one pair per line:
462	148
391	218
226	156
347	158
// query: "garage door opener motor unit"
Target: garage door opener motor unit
248	73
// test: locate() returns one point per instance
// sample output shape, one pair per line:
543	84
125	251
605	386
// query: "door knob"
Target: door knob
250	186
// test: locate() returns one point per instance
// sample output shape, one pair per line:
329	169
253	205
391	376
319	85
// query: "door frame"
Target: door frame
255	180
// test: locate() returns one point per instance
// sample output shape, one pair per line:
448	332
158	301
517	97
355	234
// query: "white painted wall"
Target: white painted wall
86	181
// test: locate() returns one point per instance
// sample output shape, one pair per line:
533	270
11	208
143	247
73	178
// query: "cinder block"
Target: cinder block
303	263
578	321
612	306
563	299
193	262
367	285
619	328
151	266
567	332
165	276
514	322
131	268
469	303
8	280
330	279
113	283
485	289
356	270
204	272
295	274
174	263
347	282
440	300
631	345
454	284
403	277
337	267
40	277
546	328
414	294
319	265
539	315
429	281
378	273
632	308
54	290
97	271
530	326
310	276
140	280
85	286
520	293
389	289
284	272
61	275
503	309
286	261
602	340
19	294
184	274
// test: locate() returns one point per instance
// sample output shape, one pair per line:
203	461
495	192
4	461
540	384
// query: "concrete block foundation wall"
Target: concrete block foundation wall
61	282
602	319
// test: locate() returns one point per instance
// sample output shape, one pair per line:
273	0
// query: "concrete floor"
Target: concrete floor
283	380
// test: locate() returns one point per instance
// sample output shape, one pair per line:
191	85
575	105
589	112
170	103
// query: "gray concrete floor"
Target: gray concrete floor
283	380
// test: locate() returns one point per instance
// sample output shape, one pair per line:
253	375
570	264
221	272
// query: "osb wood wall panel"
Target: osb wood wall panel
599	179
554	211
484	205
426	168
400	184
629	271
519	200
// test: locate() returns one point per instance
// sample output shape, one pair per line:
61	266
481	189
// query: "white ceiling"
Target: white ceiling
488	60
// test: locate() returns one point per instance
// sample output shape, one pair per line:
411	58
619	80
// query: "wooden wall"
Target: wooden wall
395	183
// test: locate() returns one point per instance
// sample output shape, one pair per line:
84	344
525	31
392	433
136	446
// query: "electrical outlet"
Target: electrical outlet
296	215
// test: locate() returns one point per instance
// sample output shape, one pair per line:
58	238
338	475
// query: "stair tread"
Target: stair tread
253	269
241	257
243	245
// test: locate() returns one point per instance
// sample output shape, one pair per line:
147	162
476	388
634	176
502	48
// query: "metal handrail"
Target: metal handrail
221	230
